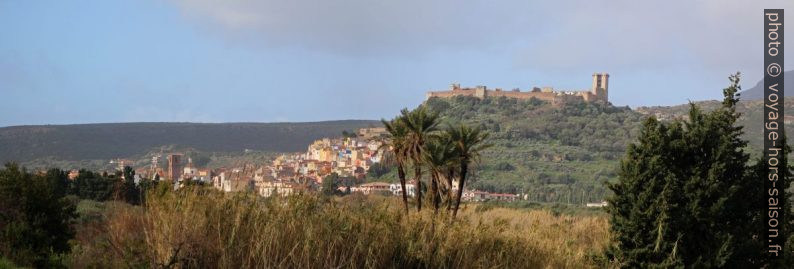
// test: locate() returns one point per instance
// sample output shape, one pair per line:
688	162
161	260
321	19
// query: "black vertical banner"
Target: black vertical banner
774	132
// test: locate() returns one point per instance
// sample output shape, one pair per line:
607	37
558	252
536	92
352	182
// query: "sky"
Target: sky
92	61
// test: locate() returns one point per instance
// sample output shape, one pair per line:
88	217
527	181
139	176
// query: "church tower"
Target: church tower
601	86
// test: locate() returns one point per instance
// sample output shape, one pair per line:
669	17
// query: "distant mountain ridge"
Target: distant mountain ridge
121	140
757	91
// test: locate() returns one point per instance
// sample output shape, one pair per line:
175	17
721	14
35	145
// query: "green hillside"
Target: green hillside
552	153
81	142
565	153
752	118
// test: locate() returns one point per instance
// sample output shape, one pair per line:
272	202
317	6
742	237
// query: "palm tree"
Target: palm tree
438	155
450	175
396	142
451	167
421	124
468	143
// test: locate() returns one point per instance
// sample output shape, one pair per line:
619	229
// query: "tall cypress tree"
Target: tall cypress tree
130	193
687	195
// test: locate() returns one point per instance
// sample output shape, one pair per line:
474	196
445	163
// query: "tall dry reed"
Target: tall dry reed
202	228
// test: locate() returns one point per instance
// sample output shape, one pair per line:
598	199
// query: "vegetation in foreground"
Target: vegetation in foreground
201	228
688	196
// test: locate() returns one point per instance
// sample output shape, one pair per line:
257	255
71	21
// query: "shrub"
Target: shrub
35	217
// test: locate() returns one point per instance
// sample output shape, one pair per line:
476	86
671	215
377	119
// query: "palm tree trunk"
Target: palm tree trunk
450	172
464	168
401	175
418	176
434	191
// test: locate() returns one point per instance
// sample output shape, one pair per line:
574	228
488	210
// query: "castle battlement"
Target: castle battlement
597	92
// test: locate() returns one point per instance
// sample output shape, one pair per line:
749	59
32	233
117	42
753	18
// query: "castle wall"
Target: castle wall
588	96
570	98
545	96
598	92
448	94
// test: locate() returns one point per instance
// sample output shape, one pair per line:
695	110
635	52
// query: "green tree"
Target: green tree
421	125
35	217
397	143
330	184
130	192
467	142
380	168
686	196
144	185
93	186
439	154
59	180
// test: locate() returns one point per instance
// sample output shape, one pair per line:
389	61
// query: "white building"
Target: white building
410	189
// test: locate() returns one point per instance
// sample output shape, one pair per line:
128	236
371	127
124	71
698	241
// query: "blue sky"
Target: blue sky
83	61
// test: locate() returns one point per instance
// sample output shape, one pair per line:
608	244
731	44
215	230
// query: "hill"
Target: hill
750	105
757	91
564	153
752	117
122	140
552	153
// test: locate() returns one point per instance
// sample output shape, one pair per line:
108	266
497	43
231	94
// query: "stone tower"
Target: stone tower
601	86
480	92
174	167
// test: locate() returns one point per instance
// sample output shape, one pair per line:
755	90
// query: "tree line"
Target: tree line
415	138
38	209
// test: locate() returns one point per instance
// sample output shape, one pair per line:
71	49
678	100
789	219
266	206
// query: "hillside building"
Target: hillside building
174	167
599	91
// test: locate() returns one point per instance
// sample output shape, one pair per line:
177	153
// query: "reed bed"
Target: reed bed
203	228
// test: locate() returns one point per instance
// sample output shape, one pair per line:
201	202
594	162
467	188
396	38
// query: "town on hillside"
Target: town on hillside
349	158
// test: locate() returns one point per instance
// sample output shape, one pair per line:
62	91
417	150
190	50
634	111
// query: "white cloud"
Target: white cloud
359	27
557	35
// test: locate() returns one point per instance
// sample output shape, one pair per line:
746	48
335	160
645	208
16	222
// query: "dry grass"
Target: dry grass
201	228
574	238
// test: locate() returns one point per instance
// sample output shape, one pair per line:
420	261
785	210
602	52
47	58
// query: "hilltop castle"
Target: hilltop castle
598	92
